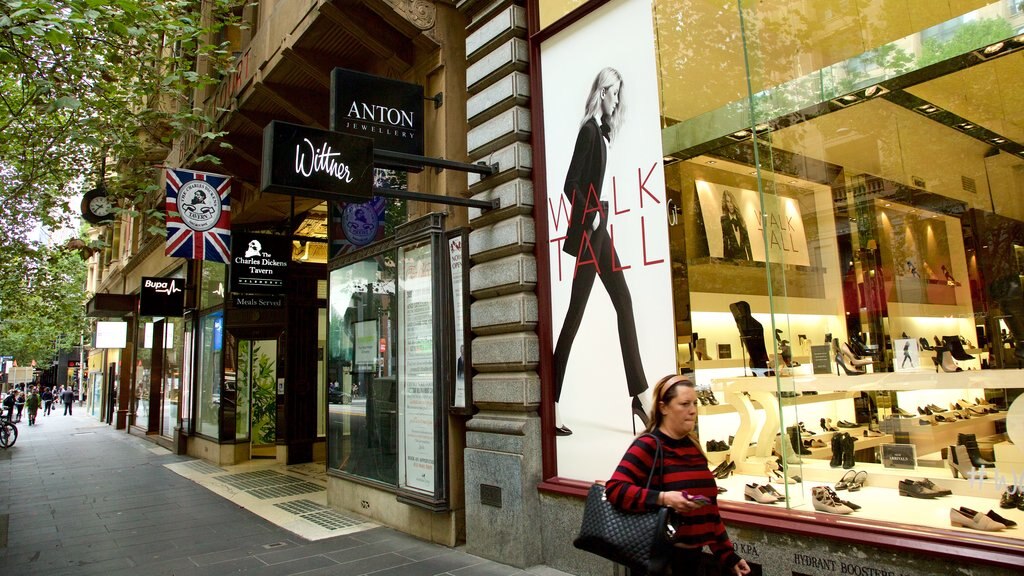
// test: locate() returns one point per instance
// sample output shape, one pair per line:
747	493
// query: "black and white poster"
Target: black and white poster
612	321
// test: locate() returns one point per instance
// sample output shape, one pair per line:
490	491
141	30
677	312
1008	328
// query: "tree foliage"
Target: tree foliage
81	82
42	307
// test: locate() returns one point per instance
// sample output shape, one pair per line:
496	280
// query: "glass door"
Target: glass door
257	396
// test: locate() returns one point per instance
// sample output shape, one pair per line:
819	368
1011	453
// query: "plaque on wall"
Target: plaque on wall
902	456
821	359
724	351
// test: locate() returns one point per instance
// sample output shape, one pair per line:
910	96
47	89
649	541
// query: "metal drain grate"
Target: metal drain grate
286	490
240	476
255	483
331	520
204	467
300	507
319	515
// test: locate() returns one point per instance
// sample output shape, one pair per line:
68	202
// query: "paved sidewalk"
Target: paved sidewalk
78	497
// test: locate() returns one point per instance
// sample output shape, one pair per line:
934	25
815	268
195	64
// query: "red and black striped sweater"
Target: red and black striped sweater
686	468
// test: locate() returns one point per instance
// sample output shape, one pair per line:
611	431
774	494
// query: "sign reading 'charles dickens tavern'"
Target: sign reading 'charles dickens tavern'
259	263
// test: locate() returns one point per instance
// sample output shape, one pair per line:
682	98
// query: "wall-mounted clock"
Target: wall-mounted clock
97	206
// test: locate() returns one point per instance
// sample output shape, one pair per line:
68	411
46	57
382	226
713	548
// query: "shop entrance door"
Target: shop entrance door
257	382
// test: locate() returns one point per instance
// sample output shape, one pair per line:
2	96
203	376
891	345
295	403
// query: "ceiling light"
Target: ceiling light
709	162
872	91
740	135
669	160
927	109
887	204
997	140
994	48
753	172
848	98
964	126
762	127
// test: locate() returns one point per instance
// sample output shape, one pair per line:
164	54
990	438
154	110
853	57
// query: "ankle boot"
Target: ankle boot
794	441
837	451
971	442
848	450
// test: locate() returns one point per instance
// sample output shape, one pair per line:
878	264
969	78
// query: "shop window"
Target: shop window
211	285
211	344
171	384
848	291
389	340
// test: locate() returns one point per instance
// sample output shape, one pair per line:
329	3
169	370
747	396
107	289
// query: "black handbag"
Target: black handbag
639	540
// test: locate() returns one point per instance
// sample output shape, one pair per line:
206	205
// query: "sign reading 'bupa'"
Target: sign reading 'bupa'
303	161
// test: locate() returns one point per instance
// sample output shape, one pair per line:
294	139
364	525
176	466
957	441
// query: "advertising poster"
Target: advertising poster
416	366
732	220
455	261
613	332
365	346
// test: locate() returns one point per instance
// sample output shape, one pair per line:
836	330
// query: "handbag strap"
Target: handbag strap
658	455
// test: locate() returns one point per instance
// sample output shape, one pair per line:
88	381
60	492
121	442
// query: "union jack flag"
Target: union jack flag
198	215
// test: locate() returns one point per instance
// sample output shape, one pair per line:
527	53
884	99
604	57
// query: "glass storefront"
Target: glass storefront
172	377
362	360
845	249
211	344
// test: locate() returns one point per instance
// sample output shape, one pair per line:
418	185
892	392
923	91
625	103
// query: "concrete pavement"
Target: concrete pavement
78	497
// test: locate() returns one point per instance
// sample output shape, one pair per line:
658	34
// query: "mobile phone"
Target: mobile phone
700	499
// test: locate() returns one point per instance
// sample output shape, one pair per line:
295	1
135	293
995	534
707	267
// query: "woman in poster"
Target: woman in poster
735	242
588	239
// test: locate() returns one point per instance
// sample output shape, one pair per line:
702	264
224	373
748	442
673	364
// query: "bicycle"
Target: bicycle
8	433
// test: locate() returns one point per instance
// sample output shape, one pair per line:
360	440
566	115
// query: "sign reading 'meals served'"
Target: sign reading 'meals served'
303	161
388	111
259	263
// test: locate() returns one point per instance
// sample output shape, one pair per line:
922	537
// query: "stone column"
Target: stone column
503	448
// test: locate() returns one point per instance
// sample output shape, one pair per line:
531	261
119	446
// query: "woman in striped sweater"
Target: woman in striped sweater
686	486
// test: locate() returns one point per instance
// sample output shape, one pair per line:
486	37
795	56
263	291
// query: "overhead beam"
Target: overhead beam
304	62
372	32
289	105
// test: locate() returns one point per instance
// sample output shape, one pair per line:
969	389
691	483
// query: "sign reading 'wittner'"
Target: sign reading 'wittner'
388	111
259	263
303	161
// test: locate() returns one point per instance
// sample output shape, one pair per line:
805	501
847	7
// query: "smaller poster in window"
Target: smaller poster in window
906	355
365	346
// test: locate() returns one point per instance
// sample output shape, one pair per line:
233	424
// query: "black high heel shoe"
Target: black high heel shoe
638	410
925	345
956	348
727	471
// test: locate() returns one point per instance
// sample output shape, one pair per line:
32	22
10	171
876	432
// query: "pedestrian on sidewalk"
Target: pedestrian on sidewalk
9	403
47	398
68	398
32	403
19	405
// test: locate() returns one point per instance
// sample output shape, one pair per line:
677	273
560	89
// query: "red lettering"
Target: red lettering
556	214
558	252
593	256
591	193
616	267
643	185
643	241
615	199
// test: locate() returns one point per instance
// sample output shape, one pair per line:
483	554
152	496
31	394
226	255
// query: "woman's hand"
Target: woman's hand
681	502
741	568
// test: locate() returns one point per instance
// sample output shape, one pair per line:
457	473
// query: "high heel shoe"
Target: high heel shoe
925	345
956	348
638	411
840	363
945	361
701	349
960	464
721	467
727	471
852	358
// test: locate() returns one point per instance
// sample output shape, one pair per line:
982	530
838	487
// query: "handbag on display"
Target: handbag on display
639	540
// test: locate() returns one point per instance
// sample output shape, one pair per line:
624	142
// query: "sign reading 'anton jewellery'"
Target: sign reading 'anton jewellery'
388	111
303	161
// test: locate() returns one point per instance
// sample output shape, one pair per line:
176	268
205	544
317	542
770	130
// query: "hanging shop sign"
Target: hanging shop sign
162	297
303	161
198	215
259	263
388	111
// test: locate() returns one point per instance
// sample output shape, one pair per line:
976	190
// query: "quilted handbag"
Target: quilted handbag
639	540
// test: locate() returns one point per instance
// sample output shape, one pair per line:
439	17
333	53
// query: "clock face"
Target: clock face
100	206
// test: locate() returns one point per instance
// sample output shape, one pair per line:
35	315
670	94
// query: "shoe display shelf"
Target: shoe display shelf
794	401
1009	460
